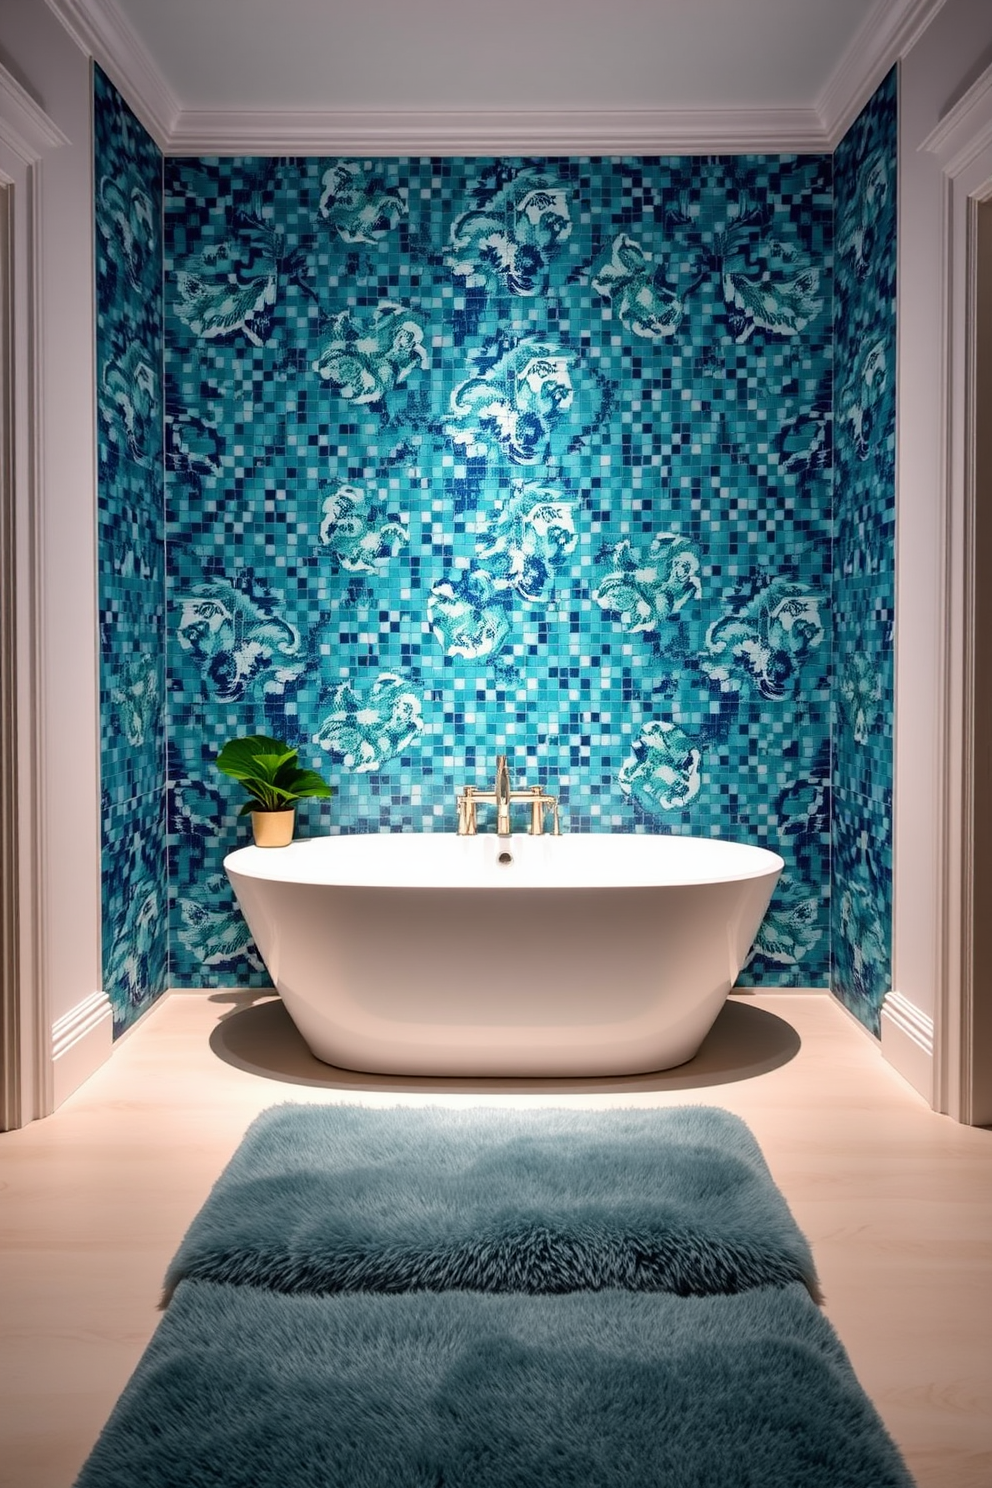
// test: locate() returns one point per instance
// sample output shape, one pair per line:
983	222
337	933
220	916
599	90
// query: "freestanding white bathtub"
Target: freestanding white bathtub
433	954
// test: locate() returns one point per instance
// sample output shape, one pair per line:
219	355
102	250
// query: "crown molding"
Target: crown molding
99	29
24	126
966	129
887	33
476	132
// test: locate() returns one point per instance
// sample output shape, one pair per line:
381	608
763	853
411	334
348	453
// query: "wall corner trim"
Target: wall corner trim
24	126
908	1042
100	30
965	130
887	33
81	1042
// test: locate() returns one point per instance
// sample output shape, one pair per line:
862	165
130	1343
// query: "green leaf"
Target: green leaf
268	771
309	783
271	766
241	758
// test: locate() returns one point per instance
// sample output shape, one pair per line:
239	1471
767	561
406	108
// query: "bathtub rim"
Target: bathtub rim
311	861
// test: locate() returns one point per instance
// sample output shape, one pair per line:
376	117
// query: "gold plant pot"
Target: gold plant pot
273	828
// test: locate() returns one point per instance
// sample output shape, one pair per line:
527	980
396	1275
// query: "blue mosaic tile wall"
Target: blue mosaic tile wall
522	455
130	553
864	577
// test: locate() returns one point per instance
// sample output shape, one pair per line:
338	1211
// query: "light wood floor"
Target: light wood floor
896	1202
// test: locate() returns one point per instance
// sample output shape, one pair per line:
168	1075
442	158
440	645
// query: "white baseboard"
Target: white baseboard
907	1043
81	1041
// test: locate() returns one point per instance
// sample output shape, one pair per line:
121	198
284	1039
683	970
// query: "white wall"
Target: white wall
42	58
949	56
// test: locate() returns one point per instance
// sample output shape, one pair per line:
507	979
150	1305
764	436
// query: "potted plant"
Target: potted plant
268	770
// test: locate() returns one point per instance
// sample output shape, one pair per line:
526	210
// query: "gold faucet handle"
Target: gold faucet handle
466	812
540	803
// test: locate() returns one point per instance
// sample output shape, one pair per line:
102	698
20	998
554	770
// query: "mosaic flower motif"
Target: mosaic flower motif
639	290
351	528
134	696
364	358
529	541
662	774
191	444
861	398
763	643
864	217
231	286
713	228
860	695
862	952
212	930
134	952
131	403
135	552
237	639
644	593
368	726
508	240
790	929
863	540
194	808
126	220
805	442
802	809
516	404
468	615
769	285
357	205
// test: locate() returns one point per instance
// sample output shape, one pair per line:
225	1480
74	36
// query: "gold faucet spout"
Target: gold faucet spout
503	795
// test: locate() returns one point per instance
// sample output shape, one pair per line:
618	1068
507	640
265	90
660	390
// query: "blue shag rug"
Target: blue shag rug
434	1298
352	1199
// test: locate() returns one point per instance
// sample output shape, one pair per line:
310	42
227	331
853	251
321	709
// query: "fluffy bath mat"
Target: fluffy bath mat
243	1388
347	1198
275	1367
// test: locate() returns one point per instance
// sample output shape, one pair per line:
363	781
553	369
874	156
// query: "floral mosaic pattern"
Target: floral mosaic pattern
514	455
128	205
364	730
135	906
507	240
357	205
863	577
364	358
760	644
356	535
644	592
525	455
663	771
235	635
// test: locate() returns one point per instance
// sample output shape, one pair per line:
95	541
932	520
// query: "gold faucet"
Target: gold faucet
502	796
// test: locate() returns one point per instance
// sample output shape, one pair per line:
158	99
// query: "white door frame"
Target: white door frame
27	134
962	143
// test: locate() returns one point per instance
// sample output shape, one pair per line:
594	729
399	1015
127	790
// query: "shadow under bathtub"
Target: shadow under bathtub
260	1037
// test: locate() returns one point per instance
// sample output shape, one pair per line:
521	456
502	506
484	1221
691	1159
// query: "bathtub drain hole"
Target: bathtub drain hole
505	857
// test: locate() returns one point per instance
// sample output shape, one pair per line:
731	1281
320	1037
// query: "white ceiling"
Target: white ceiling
591	55
495	76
